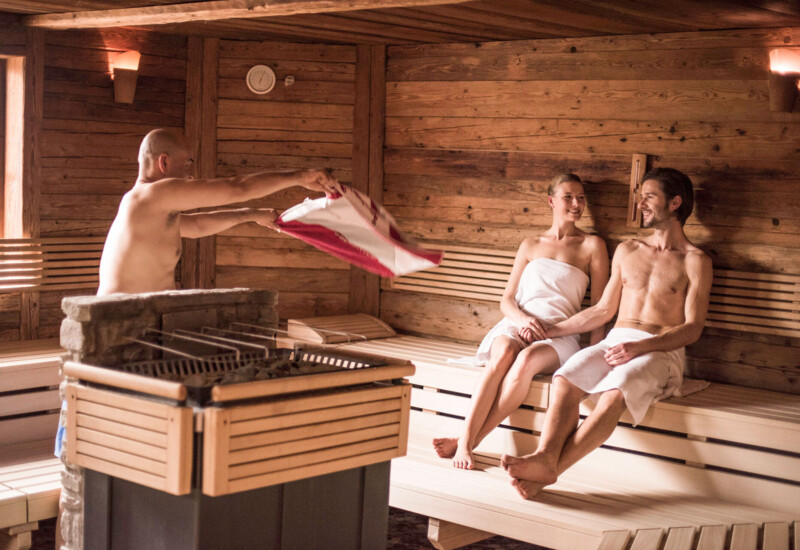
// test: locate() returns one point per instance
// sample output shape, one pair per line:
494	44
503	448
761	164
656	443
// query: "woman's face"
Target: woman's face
568	202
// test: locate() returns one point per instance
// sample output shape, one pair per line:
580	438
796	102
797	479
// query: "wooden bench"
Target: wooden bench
717	469
30	476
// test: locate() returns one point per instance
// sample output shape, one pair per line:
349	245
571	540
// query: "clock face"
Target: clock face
260	79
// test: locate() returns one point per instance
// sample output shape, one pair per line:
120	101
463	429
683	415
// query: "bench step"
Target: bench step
746	536
445	535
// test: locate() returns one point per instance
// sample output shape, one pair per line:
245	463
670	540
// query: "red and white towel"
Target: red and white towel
352	227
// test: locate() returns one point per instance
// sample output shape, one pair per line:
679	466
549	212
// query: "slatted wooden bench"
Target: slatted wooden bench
29	493
30	476
719	468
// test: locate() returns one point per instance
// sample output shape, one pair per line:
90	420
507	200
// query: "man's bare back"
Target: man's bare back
142	248
144	242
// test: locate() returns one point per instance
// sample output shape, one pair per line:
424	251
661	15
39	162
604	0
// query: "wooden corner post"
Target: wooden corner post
638	169
368	137
198	260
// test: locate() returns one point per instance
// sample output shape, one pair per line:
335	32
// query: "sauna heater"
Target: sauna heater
201	425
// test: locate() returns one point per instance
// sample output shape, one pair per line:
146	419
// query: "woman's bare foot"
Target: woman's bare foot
463	458
533	467
445	447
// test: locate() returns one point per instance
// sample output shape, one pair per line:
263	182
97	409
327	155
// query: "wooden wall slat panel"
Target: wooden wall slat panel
473	135
308	124
531	64
685	100
665	42
607	136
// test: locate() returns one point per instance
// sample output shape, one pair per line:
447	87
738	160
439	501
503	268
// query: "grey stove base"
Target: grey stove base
341	511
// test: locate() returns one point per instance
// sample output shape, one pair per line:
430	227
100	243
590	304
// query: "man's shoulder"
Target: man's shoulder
630	245
697	258
151	194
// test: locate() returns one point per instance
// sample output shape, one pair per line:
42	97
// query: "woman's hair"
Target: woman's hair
559	179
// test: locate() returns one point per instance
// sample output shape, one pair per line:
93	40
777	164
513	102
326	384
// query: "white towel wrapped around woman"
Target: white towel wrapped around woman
550	291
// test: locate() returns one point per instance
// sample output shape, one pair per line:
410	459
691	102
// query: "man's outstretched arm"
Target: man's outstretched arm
600	313
172	194
203	224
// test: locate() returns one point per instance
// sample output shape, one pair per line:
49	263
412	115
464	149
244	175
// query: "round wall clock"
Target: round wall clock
260	79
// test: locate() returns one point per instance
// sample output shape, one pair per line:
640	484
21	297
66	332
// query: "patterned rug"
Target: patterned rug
407	531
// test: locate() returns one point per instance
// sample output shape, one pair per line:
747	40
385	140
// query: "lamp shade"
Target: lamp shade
126	67
127	60
784	66
784	60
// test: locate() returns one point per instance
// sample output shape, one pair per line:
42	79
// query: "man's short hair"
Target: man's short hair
160	141
674	183
559	179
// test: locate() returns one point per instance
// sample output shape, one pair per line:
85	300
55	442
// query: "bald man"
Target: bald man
144	242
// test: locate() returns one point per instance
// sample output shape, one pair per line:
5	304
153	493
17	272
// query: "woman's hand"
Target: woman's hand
531	330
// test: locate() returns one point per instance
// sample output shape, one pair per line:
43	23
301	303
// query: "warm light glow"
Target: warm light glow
784	60
127	60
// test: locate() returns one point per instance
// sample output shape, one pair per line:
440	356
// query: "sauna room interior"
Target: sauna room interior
453	115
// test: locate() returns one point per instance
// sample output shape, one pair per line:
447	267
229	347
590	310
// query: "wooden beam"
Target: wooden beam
198	262
368	138
213	11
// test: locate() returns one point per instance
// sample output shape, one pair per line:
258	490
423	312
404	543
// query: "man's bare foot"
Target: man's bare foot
445	447
530	467
527	489
463	458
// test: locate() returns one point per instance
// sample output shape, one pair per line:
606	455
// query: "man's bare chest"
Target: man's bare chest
656	274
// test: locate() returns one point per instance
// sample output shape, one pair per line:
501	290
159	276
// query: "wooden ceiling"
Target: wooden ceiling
414	21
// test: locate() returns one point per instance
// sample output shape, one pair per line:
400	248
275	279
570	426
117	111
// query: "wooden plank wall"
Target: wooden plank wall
89	144
306	125
475	131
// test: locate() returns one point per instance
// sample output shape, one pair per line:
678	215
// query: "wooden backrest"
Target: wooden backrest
751	302
29	402
50	264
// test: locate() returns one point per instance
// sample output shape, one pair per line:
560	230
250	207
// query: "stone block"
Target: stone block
98	308
74	337
194	319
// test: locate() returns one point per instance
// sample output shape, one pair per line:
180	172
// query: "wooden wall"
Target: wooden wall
475	131
89	144
306	125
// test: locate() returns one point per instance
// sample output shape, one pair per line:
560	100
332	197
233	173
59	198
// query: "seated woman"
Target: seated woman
547	284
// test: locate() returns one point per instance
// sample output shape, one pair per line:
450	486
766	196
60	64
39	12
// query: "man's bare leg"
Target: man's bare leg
533	360
592	433
502	354
560	421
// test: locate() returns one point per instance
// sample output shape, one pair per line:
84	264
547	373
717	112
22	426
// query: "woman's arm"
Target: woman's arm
598	271
508	304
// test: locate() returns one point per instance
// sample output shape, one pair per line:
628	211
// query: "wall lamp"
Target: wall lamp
784	73
126	71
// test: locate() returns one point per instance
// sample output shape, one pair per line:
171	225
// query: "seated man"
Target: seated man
660	285
144	242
